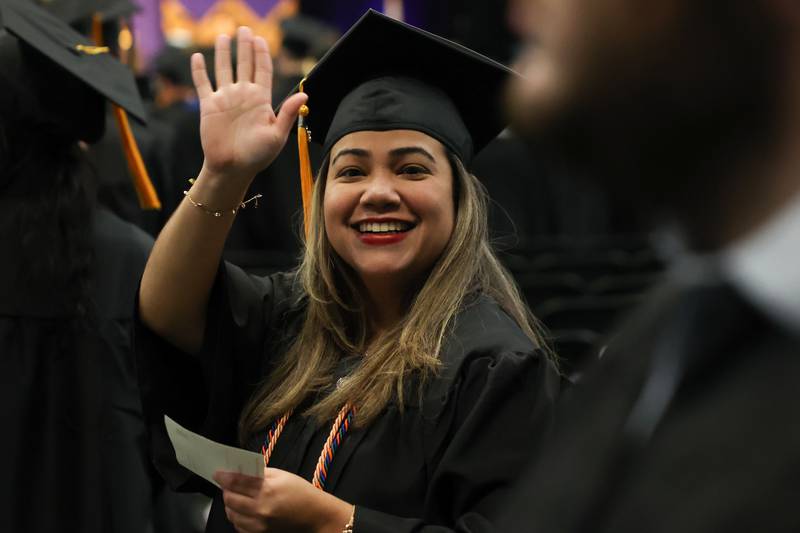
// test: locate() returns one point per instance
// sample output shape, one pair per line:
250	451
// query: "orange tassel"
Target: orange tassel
97	29
148	199
306	180
306	177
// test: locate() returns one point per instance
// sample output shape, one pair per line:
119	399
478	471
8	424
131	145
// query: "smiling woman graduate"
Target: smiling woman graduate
396	369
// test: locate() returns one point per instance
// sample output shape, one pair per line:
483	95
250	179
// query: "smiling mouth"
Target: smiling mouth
383	228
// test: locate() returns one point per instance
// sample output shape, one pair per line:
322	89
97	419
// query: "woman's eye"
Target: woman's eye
350	172
414	170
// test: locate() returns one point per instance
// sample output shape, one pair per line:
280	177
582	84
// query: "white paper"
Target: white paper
204	457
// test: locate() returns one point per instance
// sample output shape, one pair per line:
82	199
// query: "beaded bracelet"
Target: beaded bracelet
218	212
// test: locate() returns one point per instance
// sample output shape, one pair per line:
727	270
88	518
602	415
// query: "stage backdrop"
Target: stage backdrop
197	22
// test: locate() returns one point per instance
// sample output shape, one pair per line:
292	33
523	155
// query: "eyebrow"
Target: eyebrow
358	152
394	154
408	150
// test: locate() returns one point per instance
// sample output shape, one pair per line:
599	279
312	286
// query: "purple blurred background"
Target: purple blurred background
479	24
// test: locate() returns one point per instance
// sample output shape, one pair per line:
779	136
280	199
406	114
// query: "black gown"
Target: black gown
442	465
73	457
690	422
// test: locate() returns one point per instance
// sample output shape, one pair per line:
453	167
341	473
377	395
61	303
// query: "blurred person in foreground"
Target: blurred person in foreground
688	110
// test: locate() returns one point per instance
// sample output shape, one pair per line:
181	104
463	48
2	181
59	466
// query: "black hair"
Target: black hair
46	195
173	64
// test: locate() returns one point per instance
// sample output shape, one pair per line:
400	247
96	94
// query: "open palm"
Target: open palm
240	133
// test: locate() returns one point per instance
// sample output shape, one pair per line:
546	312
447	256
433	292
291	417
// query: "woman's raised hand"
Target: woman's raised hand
240	133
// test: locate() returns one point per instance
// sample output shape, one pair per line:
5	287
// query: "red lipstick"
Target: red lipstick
377	239
373	237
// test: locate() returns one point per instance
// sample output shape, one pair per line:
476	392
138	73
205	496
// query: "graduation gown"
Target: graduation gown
442	465
73	455
688	423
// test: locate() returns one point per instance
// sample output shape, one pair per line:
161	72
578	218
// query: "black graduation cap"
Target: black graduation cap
95	72
384	74
75	11
73	52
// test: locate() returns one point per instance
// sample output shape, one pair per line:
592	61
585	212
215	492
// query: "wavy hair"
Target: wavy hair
336	325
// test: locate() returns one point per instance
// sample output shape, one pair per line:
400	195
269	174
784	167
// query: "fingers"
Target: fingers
289	110
242	512
200	76
240	503
239	483
244	55
252	59
263	67
222	61
243	523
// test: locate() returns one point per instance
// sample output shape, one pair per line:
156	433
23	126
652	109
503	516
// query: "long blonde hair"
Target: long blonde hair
336	324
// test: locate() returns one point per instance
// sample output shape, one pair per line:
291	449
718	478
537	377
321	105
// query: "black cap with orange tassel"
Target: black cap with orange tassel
49	33
387	75
145	192
76	55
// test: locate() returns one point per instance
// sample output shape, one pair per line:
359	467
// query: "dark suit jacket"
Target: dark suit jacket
724	453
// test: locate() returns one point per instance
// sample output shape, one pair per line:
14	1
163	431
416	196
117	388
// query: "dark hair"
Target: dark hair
173	64
47	198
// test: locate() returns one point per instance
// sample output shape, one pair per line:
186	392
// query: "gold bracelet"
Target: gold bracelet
219	213
349	527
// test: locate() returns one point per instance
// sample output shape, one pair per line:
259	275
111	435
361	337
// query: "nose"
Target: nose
380	194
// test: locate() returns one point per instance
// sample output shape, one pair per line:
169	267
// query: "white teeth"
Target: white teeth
383	227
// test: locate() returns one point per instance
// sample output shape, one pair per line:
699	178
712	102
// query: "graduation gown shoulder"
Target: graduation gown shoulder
206	392
442	464
482	420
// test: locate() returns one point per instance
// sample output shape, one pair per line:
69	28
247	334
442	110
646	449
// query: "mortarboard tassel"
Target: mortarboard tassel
306	177
148	199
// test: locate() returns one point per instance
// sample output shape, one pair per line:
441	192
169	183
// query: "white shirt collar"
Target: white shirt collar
765	266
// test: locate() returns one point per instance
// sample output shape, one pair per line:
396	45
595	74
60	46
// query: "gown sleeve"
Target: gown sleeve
207	391
488	429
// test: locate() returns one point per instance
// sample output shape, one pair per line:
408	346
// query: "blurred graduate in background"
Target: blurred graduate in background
72	456
106	22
